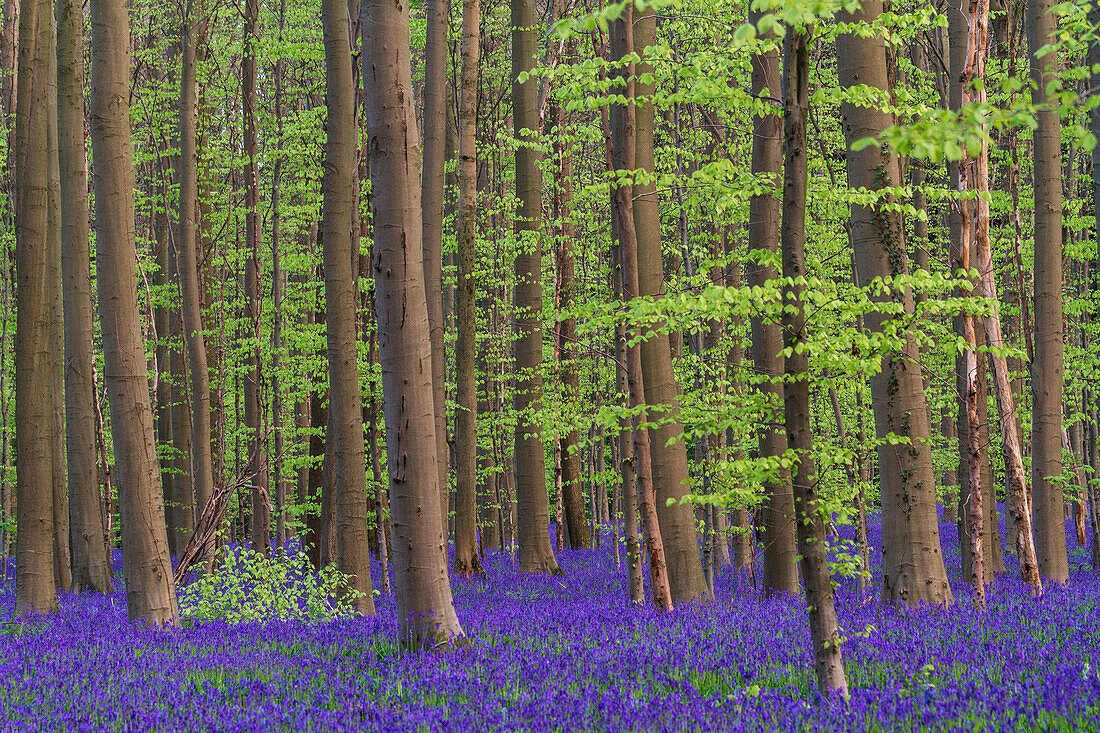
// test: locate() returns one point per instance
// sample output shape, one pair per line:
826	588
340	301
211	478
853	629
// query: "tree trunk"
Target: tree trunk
318	415
278	286
622	458
202	465
9	45
162	319
580	536
257	463
436	49
346	473
183	492
147	567
775	518
533	533
34	547
810	512
425	608
913	569
1047	368
467	561
63	570
623	156
670	466
91	567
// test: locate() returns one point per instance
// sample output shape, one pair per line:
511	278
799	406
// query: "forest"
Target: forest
619	365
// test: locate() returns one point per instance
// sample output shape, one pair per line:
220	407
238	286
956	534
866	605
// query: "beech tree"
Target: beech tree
1048	364
345	463
425	609
34	550
91	566
467	561
146	565
913	570
533	514
809	513
775	519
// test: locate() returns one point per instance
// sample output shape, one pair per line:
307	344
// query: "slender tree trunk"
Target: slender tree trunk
533	533
278	286
63	571
202	465
913	569
380	485
775	518
467	561
852	473
183	493
91	567
257	463
162	319
625	499
438	14
34	547
9	45
810	511
670	467
580	536
731	368
319	419
968	366
147	568
623	156
425	608
1094	414
346	473
1047	368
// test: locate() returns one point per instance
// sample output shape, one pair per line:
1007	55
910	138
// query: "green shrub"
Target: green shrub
250	587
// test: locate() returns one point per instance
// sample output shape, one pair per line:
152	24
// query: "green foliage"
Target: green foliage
247	586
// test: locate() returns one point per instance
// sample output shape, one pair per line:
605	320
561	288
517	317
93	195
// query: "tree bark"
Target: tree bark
91	567
202	465
623	156
533	533
580	536
63	571
346	472
147	568
670	466
34	547
425	608
1047	367
435	137
278	288
257	463
467	561
775	518
913	569
810	512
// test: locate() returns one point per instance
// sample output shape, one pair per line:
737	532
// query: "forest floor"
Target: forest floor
570	653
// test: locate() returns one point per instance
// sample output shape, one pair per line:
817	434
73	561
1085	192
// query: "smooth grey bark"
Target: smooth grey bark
345	457
533	514
425	608
467	561
809	509
34	547
670	464
146	565
91	567
438	14
775	517
1048	364
913	569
